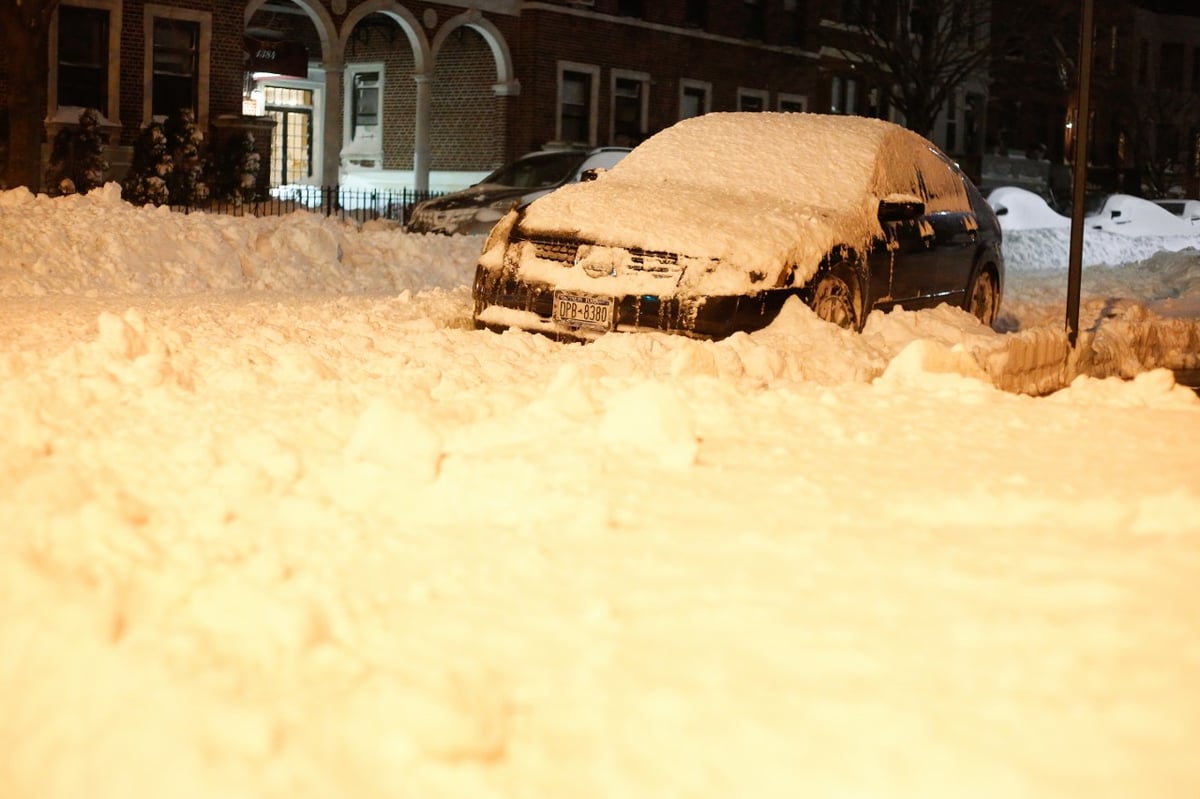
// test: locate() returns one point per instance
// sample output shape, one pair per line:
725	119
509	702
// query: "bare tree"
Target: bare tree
920	51
1156	122
24	33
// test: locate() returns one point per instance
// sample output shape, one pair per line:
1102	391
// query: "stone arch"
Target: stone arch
401	16
321	20
505	82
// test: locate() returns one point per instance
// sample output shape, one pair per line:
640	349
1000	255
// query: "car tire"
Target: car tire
983	297
834	301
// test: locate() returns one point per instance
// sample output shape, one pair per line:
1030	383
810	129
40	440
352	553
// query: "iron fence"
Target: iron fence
360	205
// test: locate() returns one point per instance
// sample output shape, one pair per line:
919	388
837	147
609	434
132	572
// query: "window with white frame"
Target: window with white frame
630	105
695	98
178	45
792	102
363	123
577	90
752	99
84	41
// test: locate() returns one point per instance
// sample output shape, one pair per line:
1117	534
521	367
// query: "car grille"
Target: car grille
654	263
555	250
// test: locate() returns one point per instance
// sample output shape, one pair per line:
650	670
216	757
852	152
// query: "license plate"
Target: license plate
580	310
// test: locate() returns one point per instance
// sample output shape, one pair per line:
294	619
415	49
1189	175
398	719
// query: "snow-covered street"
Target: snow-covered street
275	521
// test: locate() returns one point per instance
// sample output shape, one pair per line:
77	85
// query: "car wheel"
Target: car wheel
983	299
833	301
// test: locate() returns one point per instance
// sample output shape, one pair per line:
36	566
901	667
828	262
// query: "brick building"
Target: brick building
421	87
1144	127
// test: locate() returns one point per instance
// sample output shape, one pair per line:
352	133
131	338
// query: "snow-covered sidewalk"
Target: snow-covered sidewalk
276	522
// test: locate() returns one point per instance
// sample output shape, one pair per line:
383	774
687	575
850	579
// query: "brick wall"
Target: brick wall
225	60
380	40
465	129
547	37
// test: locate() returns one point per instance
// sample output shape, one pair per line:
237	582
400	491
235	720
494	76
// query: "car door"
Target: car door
904	259
939	271
954	233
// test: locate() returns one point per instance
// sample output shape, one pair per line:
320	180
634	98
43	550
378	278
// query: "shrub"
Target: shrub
77	161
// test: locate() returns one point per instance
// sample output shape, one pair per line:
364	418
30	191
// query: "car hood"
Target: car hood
476	196
748	238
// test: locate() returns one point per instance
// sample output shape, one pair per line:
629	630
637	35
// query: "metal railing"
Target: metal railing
360	205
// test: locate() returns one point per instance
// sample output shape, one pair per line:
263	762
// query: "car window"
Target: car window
605	159
537	172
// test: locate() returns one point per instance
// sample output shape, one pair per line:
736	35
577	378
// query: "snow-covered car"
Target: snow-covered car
476	209
1021	209
1134	216
1187	210
710	226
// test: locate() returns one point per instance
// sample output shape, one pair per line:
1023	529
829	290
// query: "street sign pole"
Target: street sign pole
1079	174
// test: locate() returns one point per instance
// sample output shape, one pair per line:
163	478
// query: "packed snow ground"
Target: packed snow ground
276	522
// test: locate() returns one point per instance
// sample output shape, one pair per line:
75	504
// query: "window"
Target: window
952	122
1170	65
852	12
577	103
84	40
844	95
695	13
362	124
631	8
752	100
756	19
175	65
365	112
694	98
629	107
1167	144
292	139
972	115
794	22
793	103
178	42
83	57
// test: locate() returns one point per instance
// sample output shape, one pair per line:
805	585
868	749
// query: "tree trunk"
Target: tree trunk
27	76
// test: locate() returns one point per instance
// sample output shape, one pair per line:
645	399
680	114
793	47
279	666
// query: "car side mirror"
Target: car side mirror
589	175
899	208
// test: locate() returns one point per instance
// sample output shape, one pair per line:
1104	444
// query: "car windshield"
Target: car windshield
537	171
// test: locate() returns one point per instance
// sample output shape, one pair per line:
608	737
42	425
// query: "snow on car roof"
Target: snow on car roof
753	190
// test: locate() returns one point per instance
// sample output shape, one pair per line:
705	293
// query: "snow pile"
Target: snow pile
52	247
311	535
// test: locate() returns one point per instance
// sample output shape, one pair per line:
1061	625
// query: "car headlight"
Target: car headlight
497	240
494	212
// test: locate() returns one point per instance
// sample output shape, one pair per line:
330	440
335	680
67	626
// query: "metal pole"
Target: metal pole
1083	92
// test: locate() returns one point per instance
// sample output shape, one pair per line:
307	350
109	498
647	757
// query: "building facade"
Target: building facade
1144	115
419	88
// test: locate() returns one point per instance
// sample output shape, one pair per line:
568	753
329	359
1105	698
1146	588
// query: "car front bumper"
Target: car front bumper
506	302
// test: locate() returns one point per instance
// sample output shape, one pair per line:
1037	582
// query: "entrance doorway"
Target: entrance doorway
292	141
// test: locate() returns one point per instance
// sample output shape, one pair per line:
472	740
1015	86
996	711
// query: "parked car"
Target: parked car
1187	210
1021	209
710	226
476	209
1134	216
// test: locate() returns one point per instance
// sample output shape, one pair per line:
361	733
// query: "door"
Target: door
292	139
